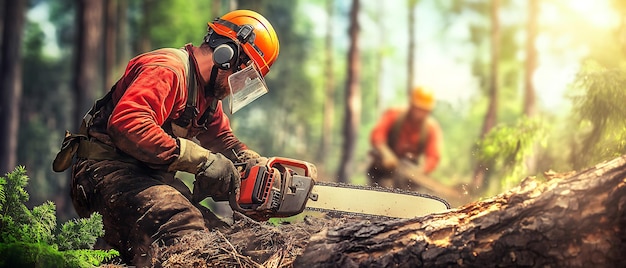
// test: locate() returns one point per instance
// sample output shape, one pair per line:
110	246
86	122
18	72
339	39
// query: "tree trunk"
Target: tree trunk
232	5
144	43
478	180
14	13
353	98
216	9
89	52
531	59
572	220
329	88
530	98
110	43
123	44
411	49
569	221
2	18
380	58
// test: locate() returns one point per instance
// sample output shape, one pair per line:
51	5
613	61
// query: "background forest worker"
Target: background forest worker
405	135
134	139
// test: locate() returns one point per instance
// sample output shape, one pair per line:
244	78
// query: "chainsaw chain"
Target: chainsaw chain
371	188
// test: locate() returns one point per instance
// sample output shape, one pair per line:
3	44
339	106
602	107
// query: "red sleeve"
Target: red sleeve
135	123
219	136
432	152
383	126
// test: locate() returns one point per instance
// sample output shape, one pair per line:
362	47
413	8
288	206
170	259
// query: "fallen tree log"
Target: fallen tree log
575	221
572	220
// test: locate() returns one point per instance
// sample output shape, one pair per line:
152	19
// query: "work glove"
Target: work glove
247	154
251	157
216	176
388	159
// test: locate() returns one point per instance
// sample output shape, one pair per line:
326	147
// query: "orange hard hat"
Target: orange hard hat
423	98
253	33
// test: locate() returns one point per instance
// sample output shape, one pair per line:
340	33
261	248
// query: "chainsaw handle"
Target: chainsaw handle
309	169
232	200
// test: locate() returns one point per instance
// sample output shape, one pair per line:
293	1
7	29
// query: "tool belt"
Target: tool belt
96	150
81	146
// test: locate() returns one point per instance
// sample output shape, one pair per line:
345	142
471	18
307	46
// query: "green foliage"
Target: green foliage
458	124
168	28
598	96
506	147
3	197
13	203
81	233
17	254
31	237
44	255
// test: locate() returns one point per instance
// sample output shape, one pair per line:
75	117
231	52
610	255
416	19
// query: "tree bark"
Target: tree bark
353	97
14	13
570	221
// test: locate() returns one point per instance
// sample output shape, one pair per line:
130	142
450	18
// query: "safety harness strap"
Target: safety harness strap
191	109
394	133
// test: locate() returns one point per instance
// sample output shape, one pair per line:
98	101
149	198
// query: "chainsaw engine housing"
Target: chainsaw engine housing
278	188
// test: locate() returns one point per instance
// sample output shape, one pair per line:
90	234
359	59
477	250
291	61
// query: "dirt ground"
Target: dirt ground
247	243
250	243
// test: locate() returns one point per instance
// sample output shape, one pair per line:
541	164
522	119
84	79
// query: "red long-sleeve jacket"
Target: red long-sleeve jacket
151	93
407	139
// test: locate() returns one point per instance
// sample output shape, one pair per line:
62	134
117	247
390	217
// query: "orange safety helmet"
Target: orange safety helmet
253	33
423	98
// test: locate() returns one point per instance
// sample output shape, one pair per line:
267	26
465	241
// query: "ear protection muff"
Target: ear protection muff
223	56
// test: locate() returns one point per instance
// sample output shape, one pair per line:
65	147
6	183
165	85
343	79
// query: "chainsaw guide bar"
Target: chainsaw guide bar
372	201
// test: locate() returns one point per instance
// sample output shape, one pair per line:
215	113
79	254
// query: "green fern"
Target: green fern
3	197
15	196
32	238
81	233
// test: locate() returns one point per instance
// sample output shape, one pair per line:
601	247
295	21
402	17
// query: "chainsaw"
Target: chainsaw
282	187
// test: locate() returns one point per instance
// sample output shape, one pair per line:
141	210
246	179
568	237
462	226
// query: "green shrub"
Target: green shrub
505	148
32	238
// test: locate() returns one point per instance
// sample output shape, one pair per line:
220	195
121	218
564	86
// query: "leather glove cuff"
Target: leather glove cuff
191	158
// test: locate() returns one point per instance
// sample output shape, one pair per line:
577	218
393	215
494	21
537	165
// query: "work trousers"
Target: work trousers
141	207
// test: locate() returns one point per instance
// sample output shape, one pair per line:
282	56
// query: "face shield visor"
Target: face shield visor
246	86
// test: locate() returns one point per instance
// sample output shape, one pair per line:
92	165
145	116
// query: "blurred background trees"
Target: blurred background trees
523	86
